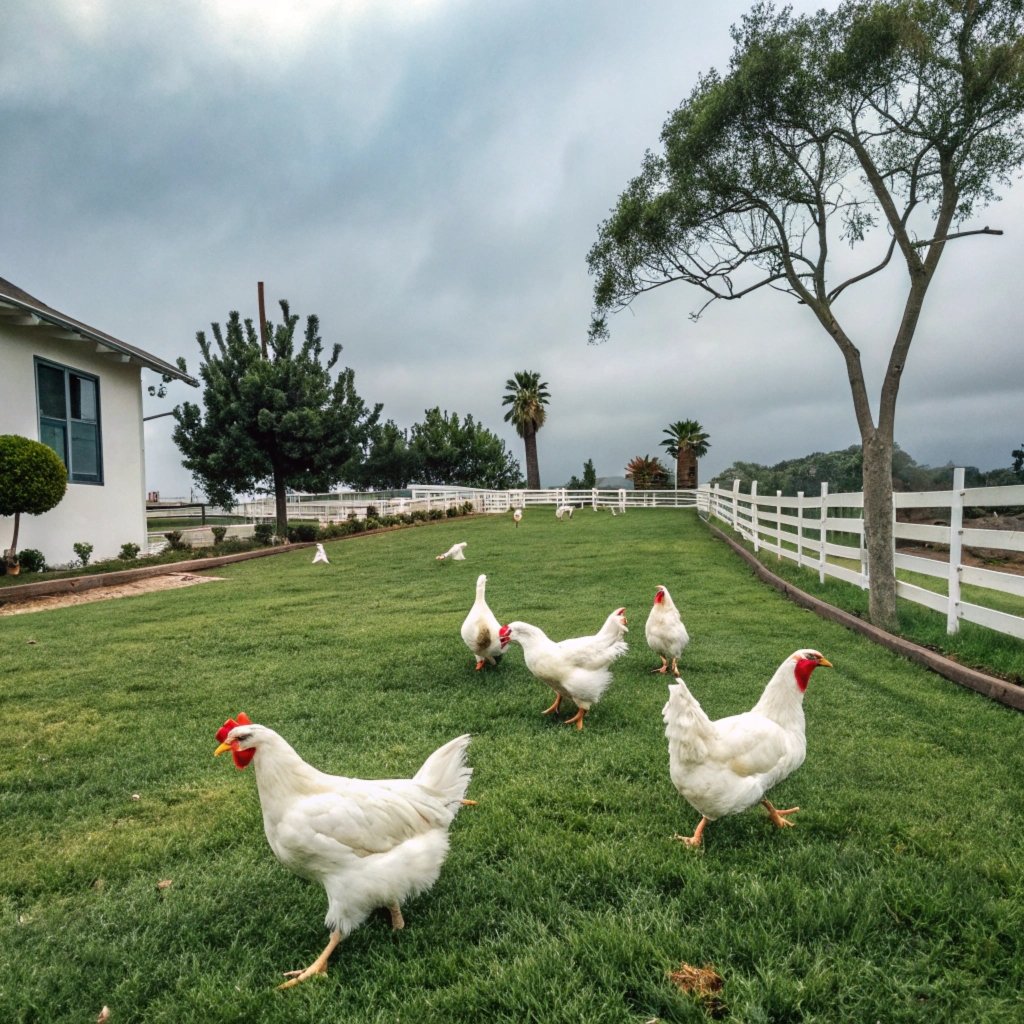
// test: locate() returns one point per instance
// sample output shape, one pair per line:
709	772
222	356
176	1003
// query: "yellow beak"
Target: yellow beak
825	663
220	750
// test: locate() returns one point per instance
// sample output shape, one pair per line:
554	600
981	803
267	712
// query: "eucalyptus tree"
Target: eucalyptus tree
272	421
686	441
527	397
886	126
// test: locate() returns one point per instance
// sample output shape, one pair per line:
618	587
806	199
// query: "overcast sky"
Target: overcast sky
427	176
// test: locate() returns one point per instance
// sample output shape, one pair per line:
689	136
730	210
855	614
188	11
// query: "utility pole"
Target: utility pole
263	318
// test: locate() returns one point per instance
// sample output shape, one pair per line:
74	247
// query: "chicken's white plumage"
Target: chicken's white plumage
370	843
321	555
480	628
564	510
456	553
723	767
577	668
665	632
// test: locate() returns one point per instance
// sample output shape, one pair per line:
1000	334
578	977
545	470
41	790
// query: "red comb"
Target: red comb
231	723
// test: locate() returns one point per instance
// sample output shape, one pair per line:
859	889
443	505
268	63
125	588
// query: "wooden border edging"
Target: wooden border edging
76	584
991	686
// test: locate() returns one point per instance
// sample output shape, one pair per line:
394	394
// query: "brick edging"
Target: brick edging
991	686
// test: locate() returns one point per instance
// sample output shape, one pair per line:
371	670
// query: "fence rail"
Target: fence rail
826	531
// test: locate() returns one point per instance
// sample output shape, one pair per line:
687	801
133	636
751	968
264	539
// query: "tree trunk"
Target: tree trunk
532	468
686	469
878	530
280	505
11	555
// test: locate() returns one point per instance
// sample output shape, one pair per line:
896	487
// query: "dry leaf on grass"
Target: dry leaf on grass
703	982
164	883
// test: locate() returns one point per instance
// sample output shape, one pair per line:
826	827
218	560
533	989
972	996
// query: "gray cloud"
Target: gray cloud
428	178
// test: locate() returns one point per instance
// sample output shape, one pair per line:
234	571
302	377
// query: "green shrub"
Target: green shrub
218	534
436	513
408	518
83	550
264	533
420	515
129	552
371	512
32	481
452	512
31	560
372	523
301	533
467	508
174	540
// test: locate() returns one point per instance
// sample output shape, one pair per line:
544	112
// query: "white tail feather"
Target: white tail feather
446	771
687	727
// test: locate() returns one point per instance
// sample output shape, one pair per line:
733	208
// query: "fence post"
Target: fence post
778	526
735	505
822	533
799	527
622	500
956	537
754	525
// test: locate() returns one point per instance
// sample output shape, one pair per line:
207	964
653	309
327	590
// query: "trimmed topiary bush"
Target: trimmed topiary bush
84	551
263	533
218	534
32	481
129	552
302	532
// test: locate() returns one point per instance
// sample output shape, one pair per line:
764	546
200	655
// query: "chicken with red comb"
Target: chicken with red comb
370	842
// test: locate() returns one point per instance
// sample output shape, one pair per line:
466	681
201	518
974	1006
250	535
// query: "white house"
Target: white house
78	390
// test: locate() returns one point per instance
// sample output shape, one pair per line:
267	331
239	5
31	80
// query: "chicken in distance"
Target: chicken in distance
457	553
724	767
577	668
370	843
665	632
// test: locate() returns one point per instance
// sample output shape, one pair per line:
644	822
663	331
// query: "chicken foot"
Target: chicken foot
698	834
397	921
776	816
577	718
664	667
554	707
318	966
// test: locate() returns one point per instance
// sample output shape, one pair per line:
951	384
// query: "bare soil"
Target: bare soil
167	581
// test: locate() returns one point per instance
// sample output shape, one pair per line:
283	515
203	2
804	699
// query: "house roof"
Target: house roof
20	308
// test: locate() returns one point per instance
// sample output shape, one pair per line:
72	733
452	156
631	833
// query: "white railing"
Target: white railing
824	531
338	507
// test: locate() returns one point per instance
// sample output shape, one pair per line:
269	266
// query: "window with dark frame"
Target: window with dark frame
69	419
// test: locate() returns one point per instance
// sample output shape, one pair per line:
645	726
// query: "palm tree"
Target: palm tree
527	394
686	443
647	473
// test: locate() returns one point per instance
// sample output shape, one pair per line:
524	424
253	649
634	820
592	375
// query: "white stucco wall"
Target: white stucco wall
105	515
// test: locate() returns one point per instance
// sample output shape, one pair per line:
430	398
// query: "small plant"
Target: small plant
31	560
218	534
407	518
420	515
83	550
467	508
129	552
371	512
263	533
174	540
372	523
436	513
453	512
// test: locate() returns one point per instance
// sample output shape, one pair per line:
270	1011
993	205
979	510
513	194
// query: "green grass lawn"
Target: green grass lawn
898	896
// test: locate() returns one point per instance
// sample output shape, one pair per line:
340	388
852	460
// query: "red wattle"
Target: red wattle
804	668
659	597
243	757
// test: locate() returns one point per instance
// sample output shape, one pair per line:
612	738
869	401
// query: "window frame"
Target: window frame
65	424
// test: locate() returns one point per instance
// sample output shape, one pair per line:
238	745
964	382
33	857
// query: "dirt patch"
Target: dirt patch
167	581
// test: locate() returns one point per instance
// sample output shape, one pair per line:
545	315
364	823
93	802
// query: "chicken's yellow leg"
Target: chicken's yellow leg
776	815
397	921
577	718
698	834
554	707
318	966
664	666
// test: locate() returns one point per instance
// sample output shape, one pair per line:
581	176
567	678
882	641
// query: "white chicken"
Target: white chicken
480	628
370	843
456	552
666	634
576	668
564	511
726	766
321	555
517	516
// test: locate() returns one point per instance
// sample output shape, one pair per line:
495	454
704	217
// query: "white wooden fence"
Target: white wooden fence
826	532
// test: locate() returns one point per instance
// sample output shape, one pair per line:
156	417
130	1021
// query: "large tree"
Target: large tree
450	450
686	441
646	472
883	125
527	397
274	419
